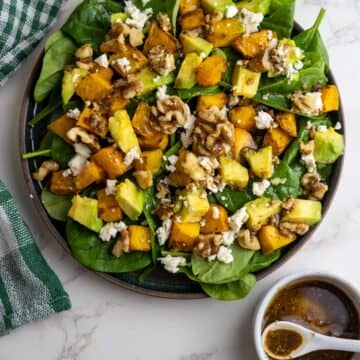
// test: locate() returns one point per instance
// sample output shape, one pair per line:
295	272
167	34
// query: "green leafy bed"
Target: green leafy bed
88	24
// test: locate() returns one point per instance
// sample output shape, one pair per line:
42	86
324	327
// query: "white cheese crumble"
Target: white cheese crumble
144	2
131	156
186	137
225	255
263	120
212	257
172	263
137	18
163	232
215	184
203	55
278	181
229	237
322	128
251	20
161	93
309	162
110	230
231	11
102	60
208	164
215	213
123	63
110	188
82	149
77	164
238	219
259	188
172	160
338	126
73	113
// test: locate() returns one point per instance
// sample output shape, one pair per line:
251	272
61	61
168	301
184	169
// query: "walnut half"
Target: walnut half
208	245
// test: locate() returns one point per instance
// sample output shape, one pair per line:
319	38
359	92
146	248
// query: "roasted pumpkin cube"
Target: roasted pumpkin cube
187	6
330	98
243	140
243	117
215	220
105	73
211	70
110	46
252	45
61	126
139	238
128	61
208	101
140	121
92	173
183	236
116	102
278	139
108	207
272	239
150	161
157	36
287	122
93	121
93	87
112	161
225	32
193	20
62	185
179	179
160	141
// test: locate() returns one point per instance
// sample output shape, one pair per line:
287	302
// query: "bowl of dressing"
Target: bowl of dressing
319	301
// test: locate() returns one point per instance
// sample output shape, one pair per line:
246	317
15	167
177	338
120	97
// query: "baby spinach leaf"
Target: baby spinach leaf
261	261
325	171
46	141
187	94
61	151
216	272
235	290
57	206
90	21
95	254
59	52
233	200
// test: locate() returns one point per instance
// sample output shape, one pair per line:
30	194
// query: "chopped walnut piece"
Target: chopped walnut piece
129	87
211	20
247	240
315	189
136	37
162	190
164	21
189	163
165	210
161	60
208	245
144	178
307	148
288	204
318	191
76	134
122	244
84	52
213	134
45	169
169	114
294	228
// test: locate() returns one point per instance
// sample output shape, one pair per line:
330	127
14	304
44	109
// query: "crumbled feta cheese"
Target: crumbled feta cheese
233	101
161	93
215	213
82	149
229	237
212	257
338	126
144	2
203	55
208	164
172	263
67	173
131	156
110	230
77	164
186	137
110	187
203	222
73	113
231	11
309	162
123	63
225	255
102	60
215	184
163	232
322	128
238	219
278	181
251	20
137	18
263	120
172	160
260	187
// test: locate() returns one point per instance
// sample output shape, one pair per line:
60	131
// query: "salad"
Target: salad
192	135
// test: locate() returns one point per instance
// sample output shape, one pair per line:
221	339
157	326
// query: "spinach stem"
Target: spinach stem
43	113
34	154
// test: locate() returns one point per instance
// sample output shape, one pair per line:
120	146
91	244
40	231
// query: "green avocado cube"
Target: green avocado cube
305	212
256	6
70	79
329	146
260	161
260	211
186	77
194	205
152	80
233	173
195	44
216	5
85	211
118	17
245	82
131	199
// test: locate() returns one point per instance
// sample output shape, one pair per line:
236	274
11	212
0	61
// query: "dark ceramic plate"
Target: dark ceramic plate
159	283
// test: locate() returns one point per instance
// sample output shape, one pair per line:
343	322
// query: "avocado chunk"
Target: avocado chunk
329	146
194	205
245	82
233	173
260	211
304	212
152	80
85	211
260	161
131	199
118	17
70	80
195	44
256	6
122	131
216	5
186	77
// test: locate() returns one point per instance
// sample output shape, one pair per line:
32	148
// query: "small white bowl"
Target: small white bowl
347	288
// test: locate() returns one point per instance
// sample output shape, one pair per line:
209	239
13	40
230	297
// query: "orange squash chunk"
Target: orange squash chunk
330	98
207	101
62	185
215	220
108	208
93	121
278	139
287	122
92	173
243	140
139	238
243	117
93	87
61	126
157	36
272	239
193	20
211	70
225	32
183	236
252	45
187	6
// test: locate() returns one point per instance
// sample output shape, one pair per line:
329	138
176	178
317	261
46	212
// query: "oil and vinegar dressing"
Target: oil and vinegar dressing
318	306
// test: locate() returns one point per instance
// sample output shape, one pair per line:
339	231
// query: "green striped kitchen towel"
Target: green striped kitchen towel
29	289
23	23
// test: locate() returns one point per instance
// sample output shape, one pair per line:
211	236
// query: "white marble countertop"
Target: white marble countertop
107	322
